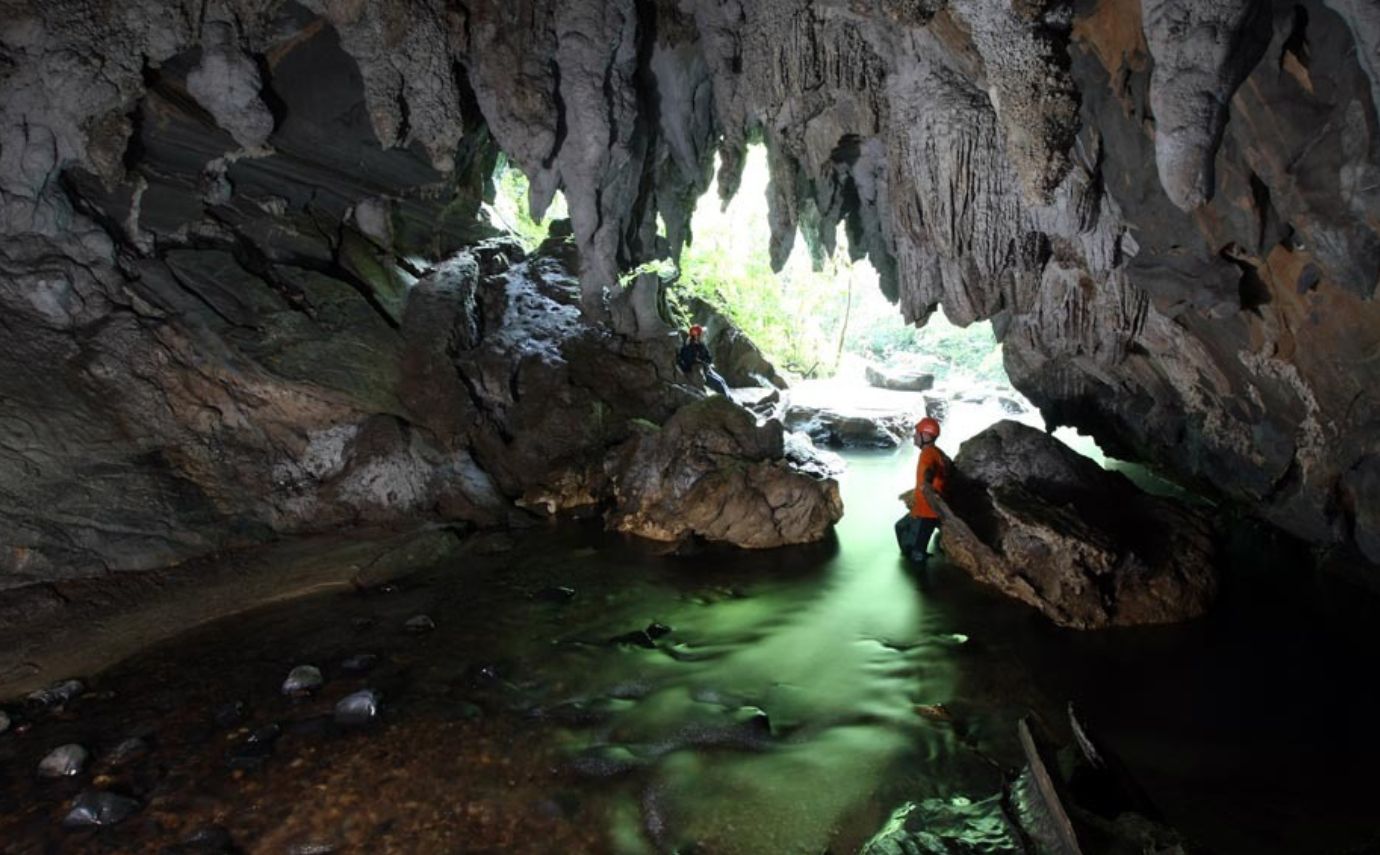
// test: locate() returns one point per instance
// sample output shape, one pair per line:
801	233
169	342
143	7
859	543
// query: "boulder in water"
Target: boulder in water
899	378
96	808
59	694
65	761
358	709
1033	518
805	457
843	427
712	471
302	680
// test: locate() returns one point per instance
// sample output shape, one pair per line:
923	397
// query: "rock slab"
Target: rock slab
1085	546
712	471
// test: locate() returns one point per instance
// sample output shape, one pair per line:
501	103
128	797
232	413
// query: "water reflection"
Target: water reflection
764	702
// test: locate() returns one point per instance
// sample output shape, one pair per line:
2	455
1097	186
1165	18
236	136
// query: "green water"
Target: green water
777	714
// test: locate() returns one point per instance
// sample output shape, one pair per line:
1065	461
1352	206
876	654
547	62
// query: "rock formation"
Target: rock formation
1031	517
900	378
736	357
225	230
711	471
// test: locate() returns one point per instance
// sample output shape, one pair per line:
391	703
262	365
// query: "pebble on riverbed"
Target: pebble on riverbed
254	751
127	751
358	709
95	808
229	715
58	694
65	761
359	663
302	680
419	624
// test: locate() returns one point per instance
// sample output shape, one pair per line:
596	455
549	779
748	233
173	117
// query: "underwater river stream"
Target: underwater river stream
757	703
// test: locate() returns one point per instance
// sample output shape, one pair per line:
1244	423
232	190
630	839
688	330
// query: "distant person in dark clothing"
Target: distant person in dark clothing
693	353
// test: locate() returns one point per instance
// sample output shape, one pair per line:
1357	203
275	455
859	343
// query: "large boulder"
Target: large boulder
848	427
1031	517
736	357
899	378
713	471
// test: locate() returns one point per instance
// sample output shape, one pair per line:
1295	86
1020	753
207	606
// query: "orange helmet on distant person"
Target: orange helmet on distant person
696	331
928	427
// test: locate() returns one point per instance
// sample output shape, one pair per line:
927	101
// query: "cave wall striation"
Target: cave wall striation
244	289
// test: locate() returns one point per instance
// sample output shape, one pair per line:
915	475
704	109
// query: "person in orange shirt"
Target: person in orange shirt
914	530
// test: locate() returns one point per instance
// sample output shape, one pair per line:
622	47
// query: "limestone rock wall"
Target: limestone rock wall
214	219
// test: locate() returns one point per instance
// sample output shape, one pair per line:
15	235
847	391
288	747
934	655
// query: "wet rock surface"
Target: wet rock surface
900	378
65	761
1031	517
265	220
713	472
844	428
97	809
302	681
358	709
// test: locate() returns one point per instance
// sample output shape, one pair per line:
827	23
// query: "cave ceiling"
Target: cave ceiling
1169	210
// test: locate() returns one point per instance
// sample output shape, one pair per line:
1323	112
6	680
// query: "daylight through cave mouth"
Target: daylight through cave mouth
308	459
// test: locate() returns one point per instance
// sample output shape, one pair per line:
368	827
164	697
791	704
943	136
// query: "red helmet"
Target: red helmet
928	427
696	331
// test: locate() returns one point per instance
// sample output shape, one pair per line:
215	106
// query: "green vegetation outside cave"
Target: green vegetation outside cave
805	320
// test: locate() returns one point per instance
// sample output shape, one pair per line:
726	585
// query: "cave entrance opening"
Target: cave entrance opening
822	320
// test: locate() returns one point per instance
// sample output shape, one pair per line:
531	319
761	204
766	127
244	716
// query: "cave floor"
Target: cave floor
786	703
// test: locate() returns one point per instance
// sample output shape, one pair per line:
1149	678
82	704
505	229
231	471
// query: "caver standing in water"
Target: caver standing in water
694	352
913	531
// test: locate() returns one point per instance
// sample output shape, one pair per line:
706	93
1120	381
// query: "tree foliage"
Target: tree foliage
803	319
798	316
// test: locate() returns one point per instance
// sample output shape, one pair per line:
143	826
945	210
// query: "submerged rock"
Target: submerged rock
948	827
302	680
229	715
607	761
127	751
359	663
1035	519
251	754
66	761
554	594
712	471
59	694
95	808
358	709
210	838
4	721
419	624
